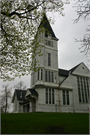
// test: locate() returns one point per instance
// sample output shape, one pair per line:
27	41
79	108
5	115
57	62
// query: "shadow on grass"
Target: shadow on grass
56	130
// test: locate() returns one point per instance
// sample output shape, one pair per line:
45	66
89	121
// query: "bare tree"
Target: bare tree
5	98
20	86
83	11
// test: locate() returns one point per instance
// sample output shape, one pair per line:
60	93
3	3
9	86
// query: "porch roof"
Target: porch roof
33	91
24	102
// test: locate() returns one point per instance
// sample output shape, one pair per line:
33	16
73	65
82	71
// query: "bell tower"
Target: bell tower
48	73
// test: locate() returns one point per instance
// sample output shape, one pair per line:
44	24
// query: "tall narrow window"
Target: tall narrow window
52	43
46	95
86	96
46	76
49	59
49	75
52	77
67	93
83	89
49	43
21	95
38	75
41	74
49	96
87	87
64	99
79	92
52	96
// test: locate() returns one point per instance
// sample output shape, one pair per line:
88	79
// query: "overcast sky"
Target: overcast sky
68	53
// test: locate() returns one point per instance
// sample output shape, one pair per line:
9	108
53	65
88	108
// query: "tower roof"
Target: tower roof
48	29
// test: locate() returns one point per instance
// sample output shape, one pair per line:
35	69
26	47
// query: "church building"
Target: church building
53	89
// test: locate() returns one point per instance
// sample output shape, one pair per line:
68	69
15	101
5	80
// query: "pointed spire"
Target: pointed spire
45	23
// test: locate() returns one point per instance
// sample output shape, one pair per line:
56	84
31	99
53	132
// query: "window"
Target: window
49	59
46	96
21	95
79	95
64	100
83	89
52	77
46	35
46	76
38	74
86	96
66	97
81	81
79	90
50	96
49	76
67	94
49	43
41	74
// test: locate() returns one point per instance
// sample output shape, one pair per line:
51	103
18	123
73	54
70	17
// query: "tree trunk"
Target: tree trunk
6	100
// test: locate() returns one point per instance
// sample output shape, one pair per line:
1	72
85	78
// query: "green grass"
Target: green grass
45	123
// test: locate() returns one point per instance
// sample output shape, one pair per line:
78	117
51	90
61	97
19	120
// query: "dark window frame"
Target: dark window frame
45	75
82	83
38	75
50	96
46	95
41	74
49	59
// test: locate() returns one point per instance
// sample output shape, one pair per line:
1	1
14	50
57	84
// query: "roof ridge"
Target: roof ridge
63	69
72	69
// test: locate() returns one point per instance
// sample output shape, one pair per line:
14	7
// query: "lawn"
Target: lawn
45	123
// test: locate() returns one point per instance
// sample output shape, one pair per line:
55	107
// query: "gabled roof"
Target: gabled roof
48	29
66	73
63	72
20	95
72	69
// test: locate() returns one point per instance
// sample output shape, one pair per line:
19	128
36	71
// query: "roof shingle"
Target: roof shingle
33	91
63	72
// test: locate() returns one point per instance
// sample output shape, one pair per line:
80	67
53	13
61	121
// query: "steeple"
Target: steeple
48	73
48	29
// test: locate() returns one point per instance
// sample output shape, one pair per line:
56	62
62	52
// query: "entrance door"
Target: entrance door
33	105
26	108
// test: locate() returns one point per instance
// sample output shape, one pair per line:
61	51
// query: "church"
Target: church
53	89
